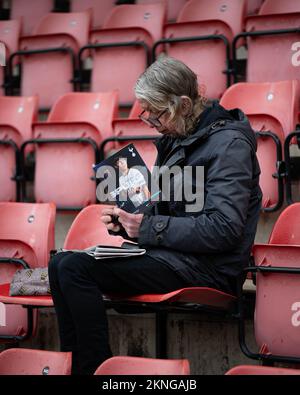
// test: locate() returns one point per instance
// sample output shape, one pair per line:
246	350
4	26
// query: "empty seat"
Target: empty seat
48	58
205	31
17	115
100	9
270	107
63	170
29	14
9	36
143	366
253	370
277	304
26	238
22	361
271	42
122	47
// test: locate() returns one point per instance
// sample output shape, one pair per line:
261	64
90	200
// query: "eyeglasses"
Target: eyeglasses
153	122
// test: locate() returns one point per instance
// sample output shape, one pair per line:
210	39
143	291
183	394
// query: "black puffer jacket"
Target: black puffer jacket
219	236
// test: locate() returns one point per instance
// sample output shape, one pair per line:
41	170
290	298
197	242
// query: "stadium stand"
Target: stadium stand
17	115
149	366
123	46
100	9
21	361
204	31
29	16
277	283
26	238
9	36
272	109
77	123
50	54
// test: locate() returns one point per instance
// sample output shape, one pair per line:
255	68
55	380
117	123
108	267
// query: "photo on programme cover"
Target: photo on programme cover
127	180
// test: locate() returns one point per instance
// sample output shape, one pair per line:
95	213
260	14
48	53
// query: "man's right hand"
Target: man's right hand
107	219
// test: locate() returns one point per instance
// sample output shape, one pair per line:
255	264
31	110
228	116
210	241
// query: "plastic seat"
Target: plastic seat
58	37
86	116
143	366
206	31
279	7
277	334
244	370
271	56
26	237
173	7
17	115
9	36
123	47
29	14
100	9
22	361
269	107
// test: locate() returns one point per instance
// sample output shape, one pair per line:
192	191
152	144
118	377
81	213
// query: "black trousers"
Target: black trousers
78	282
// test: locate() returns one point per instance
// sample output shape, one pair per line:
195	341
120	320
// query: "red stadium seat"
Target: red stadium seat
253	370
26	238
9	36
50	55
279	7
22	361
17	115
270	107
123	47
272	38
29	14
75	116
204	31
100	9
143	366
173	7
277	304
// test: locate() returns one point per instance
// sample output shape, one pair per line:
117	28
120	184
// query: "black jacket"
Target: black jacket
221	234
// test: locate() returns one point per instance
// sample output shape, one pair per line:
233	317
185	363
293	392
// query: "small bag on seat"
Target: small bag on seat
27	282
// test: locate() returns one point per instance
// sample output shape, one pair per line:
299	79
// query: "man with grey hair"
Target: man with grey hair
209	247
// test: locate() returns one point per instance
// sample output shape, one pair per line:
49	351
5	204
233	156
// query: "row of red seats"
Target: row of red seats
33	10
27	237
79	124
53	59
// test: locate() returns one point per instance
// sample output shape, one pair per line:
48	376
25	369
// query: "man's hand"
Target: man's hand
106	218
130	222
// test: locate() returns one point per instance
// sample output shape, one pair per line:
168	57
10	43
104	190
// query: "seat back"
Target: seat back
280	100
29	14
272	57
75	24
87	230
279	7
232	12
21	361
9	35
150	17
98	109
143	366
173	7
19	113
286	228
100	9
277	333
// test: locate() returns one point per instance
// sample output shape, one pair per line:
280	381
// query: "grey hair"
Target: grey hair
162	85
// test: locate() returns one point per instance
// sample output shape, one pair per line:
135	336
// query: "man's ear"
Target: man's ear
186	105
